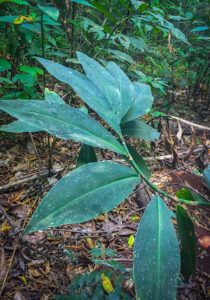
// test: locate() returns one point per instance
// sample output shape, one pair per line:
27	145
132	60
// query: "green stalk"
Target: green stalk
138	170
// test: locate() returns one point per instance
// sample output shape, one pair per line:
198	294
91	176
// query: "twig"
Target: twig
190	123
8	270
16	184
34	146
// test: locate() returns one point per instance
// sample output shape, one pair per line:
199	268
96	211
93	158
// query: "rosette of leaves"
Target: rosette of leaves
95	187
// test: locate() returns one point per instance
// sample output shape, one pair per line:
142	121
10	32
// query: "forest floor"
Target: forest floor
36	266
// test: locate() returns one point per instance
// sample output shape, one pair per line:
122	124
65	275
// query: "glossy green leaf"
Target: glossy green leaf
121	56
188	242
179	35
85	88
83	194
140	130
142	102
206	174
4	65
156	254
83	2
8	19
62	121
18	127
102	8
31	70
200	28
52	12
19	2
139	161
138	43
86	155
113	83
187	196
125	88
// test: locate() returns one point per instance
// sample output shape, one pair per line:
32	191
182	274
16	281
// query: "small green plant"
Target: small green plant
95	187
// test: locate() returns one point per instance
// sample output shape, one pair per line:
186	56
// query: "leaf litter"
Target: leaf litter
36	266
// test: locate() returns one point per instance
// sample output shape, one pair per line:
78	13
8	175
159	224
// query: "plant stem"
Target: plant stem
148	182
44	85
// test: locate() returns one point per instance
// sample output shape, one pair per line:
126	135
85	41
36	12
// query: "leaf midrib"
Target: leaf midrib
50	117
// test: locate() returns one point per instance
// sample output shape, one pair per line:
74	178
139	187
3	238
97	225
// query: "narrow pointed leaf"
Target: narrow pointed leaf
19	127
112	82
83	194
86	155
156	254
188	242
125	87
62	121
85	88
142	102
139	161
140	130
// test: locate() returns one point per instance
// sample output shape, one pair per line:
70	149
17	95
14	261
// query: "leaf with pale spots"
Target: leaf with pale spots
62	121
83	194
156	254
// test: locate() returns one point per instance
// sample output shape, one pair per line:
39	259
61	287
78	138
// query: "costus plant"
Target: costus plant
94	188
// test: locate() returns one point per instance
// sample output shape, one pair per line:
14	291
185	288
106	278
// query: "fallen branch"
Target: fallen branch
22	181
168	156
190	123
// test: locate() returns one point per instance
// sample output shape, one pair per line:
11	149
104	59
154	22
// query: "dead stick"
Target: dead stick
190	123
9	186
8	270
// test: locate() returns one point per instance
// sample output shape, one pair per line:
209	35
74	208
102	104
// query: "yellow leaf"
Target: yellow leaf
19	20
131	240
135	218
23	279
106	283
91	243
5	227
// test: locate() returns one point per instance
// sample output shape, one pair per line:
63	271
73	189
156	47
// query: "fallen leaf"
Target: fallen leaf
106	283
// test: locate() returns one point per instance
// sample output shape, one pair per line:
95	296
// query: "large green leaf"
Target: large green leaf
188	242
85	88
86	155
114	84
83	2
121	56
125	88
156	254
62	121
142	103
140	130
83	194
51	11
19	126
19	2
4	65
